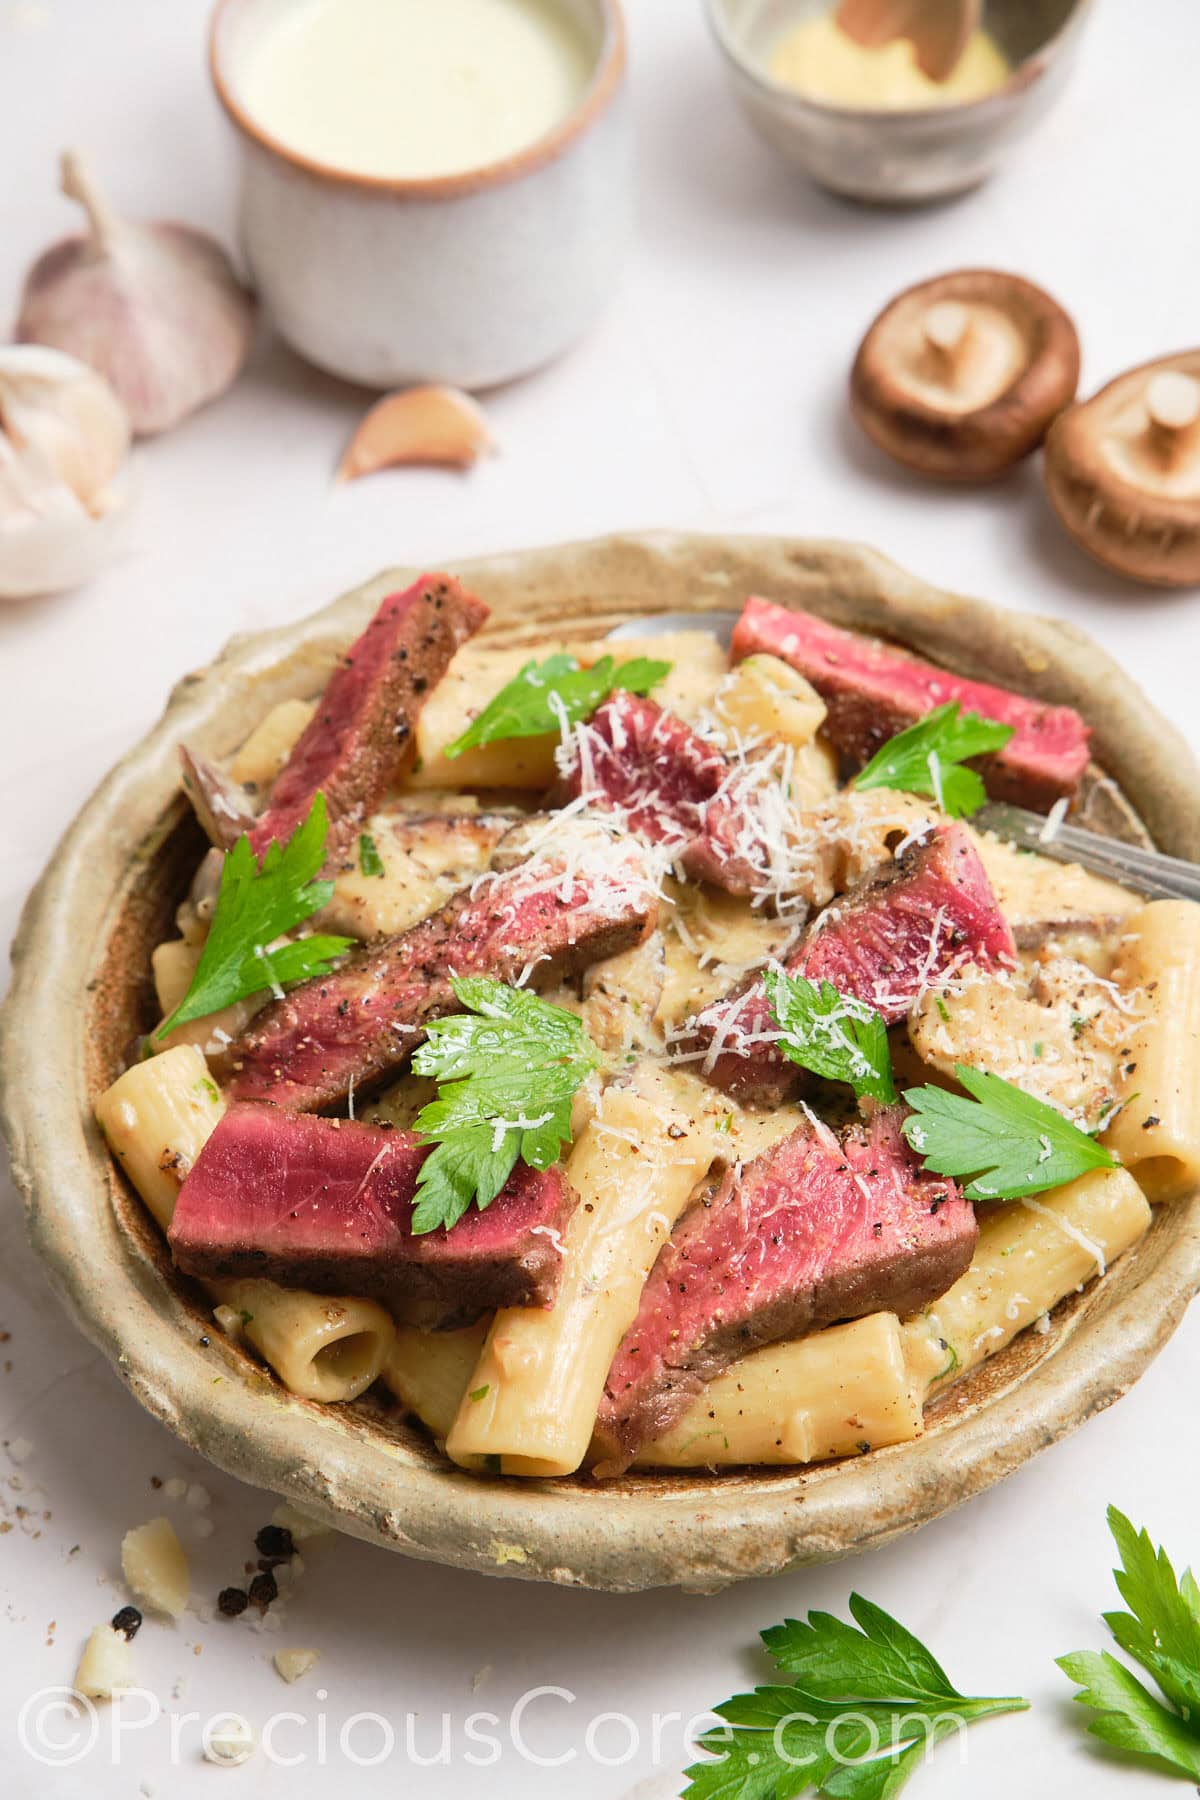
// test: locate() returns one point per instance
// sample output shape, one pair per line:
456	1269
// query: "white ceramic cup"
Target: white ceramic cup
468	279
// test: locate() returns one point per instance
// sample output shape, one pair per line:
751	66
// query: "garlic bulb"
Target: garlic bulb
64	479
156	309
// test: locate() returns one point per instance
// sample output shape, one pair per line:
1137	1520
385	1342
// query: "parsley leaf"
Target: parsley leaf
257	903
928	758
865	1708
831	1033
1161	1630
369	859
543	697
509	1070
1021	1145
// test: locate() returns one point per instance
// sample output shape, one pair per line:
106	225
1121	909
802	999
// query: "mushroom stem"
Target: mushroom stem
1173	412
77	184
948	329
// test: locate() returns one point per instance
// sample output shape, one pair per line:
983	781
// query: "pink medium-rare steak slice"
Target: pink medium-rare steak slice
547	917
361	738
327	1204
885	941
872	691
818	1228
670	787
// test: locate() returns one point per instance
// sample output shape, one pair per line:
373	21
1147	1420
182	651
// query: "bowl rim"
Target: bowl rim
597	96
692	1529
1024	75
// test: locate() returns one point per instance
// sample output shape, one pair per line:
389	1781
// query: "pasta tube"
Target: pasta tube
1031	1253
157	1118
322	1347
429	1371
541	1374
1157	1132
839	1392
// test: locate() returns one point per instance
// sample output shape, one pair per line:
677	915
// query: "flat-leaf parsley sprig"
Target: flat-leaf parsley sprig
864	1708
555	695
509	1069
1161	1631
257	903
832	1034
928	758
1010	1143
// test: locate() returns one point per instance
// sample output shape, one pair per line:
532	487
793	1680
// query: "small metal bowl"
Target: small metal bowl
900	157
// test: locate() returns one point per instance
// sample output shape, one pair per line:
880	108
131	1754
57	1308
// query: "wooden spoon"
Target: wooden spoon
939	29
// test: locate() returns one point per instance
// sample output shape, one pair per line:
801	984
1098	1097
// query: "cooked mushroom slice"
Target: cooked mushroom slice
960	376
1123	472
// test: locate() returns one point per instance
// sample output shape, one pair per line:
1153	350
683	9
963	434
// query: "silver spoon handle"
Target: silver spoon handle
1145	871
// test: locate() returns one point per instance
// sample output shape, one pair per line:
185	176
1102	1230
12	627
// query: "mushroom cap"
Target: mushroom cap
960	376
1123	471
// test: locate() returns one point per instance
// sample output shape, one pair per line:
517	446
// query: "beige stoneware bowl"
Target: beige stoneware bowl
81	991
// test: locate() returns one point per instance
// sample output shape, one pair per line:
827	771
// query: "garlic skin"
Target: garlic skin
65	484
155	308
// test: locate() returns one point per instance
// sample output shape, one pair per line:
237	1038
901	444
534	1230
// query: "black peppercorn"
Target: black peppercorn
231	1601
264	1589
275	1541
128	1621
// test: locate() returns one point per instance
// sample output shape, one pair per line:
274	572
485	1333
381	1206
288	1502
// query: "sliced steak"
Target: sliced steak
362	735
671	787
816	1229
872	691
548	917
885	941
327	1204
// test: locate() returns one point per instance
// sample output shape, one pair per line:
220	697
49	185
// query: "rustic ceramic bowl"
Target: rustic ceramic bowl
900	156
81	991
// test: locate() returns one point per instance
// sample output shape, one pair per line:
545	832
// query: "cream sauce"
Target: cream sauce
415	88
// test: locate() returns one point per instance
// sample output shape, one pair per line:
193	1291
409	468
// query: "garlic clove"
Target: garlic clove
156	309
421	425
65	483
62	421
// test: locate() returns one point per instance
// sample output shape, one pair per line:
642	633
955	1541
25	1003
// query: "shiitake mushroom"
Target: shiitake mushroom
960	377
1123	471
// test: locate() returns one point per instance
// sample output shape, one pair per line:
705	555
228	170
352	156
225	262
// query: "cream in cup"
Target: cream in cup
432	190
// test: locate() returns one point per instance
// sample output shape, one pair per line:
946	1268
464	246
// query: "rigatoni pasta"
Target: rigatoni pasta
839	1392
1156	1134
1031	1254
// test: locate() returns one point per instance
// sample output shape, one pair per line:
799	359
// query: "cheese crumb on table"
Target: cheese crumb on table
106	1666
292	1664
156	1568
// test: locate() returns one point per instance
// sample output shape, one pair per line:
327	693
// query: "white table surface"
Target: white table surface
712	396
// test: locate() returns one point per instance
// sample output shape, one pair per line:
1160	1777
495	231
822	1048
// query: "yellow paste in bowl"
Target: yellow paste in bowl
818	59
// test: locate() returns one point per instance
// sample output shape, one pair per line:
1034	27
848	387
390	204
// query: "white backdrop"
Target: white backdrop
713	397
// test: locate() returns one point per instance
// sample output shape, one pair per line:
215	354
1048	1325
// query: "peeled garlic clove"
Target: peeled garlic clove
65	486
421	425
156	309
